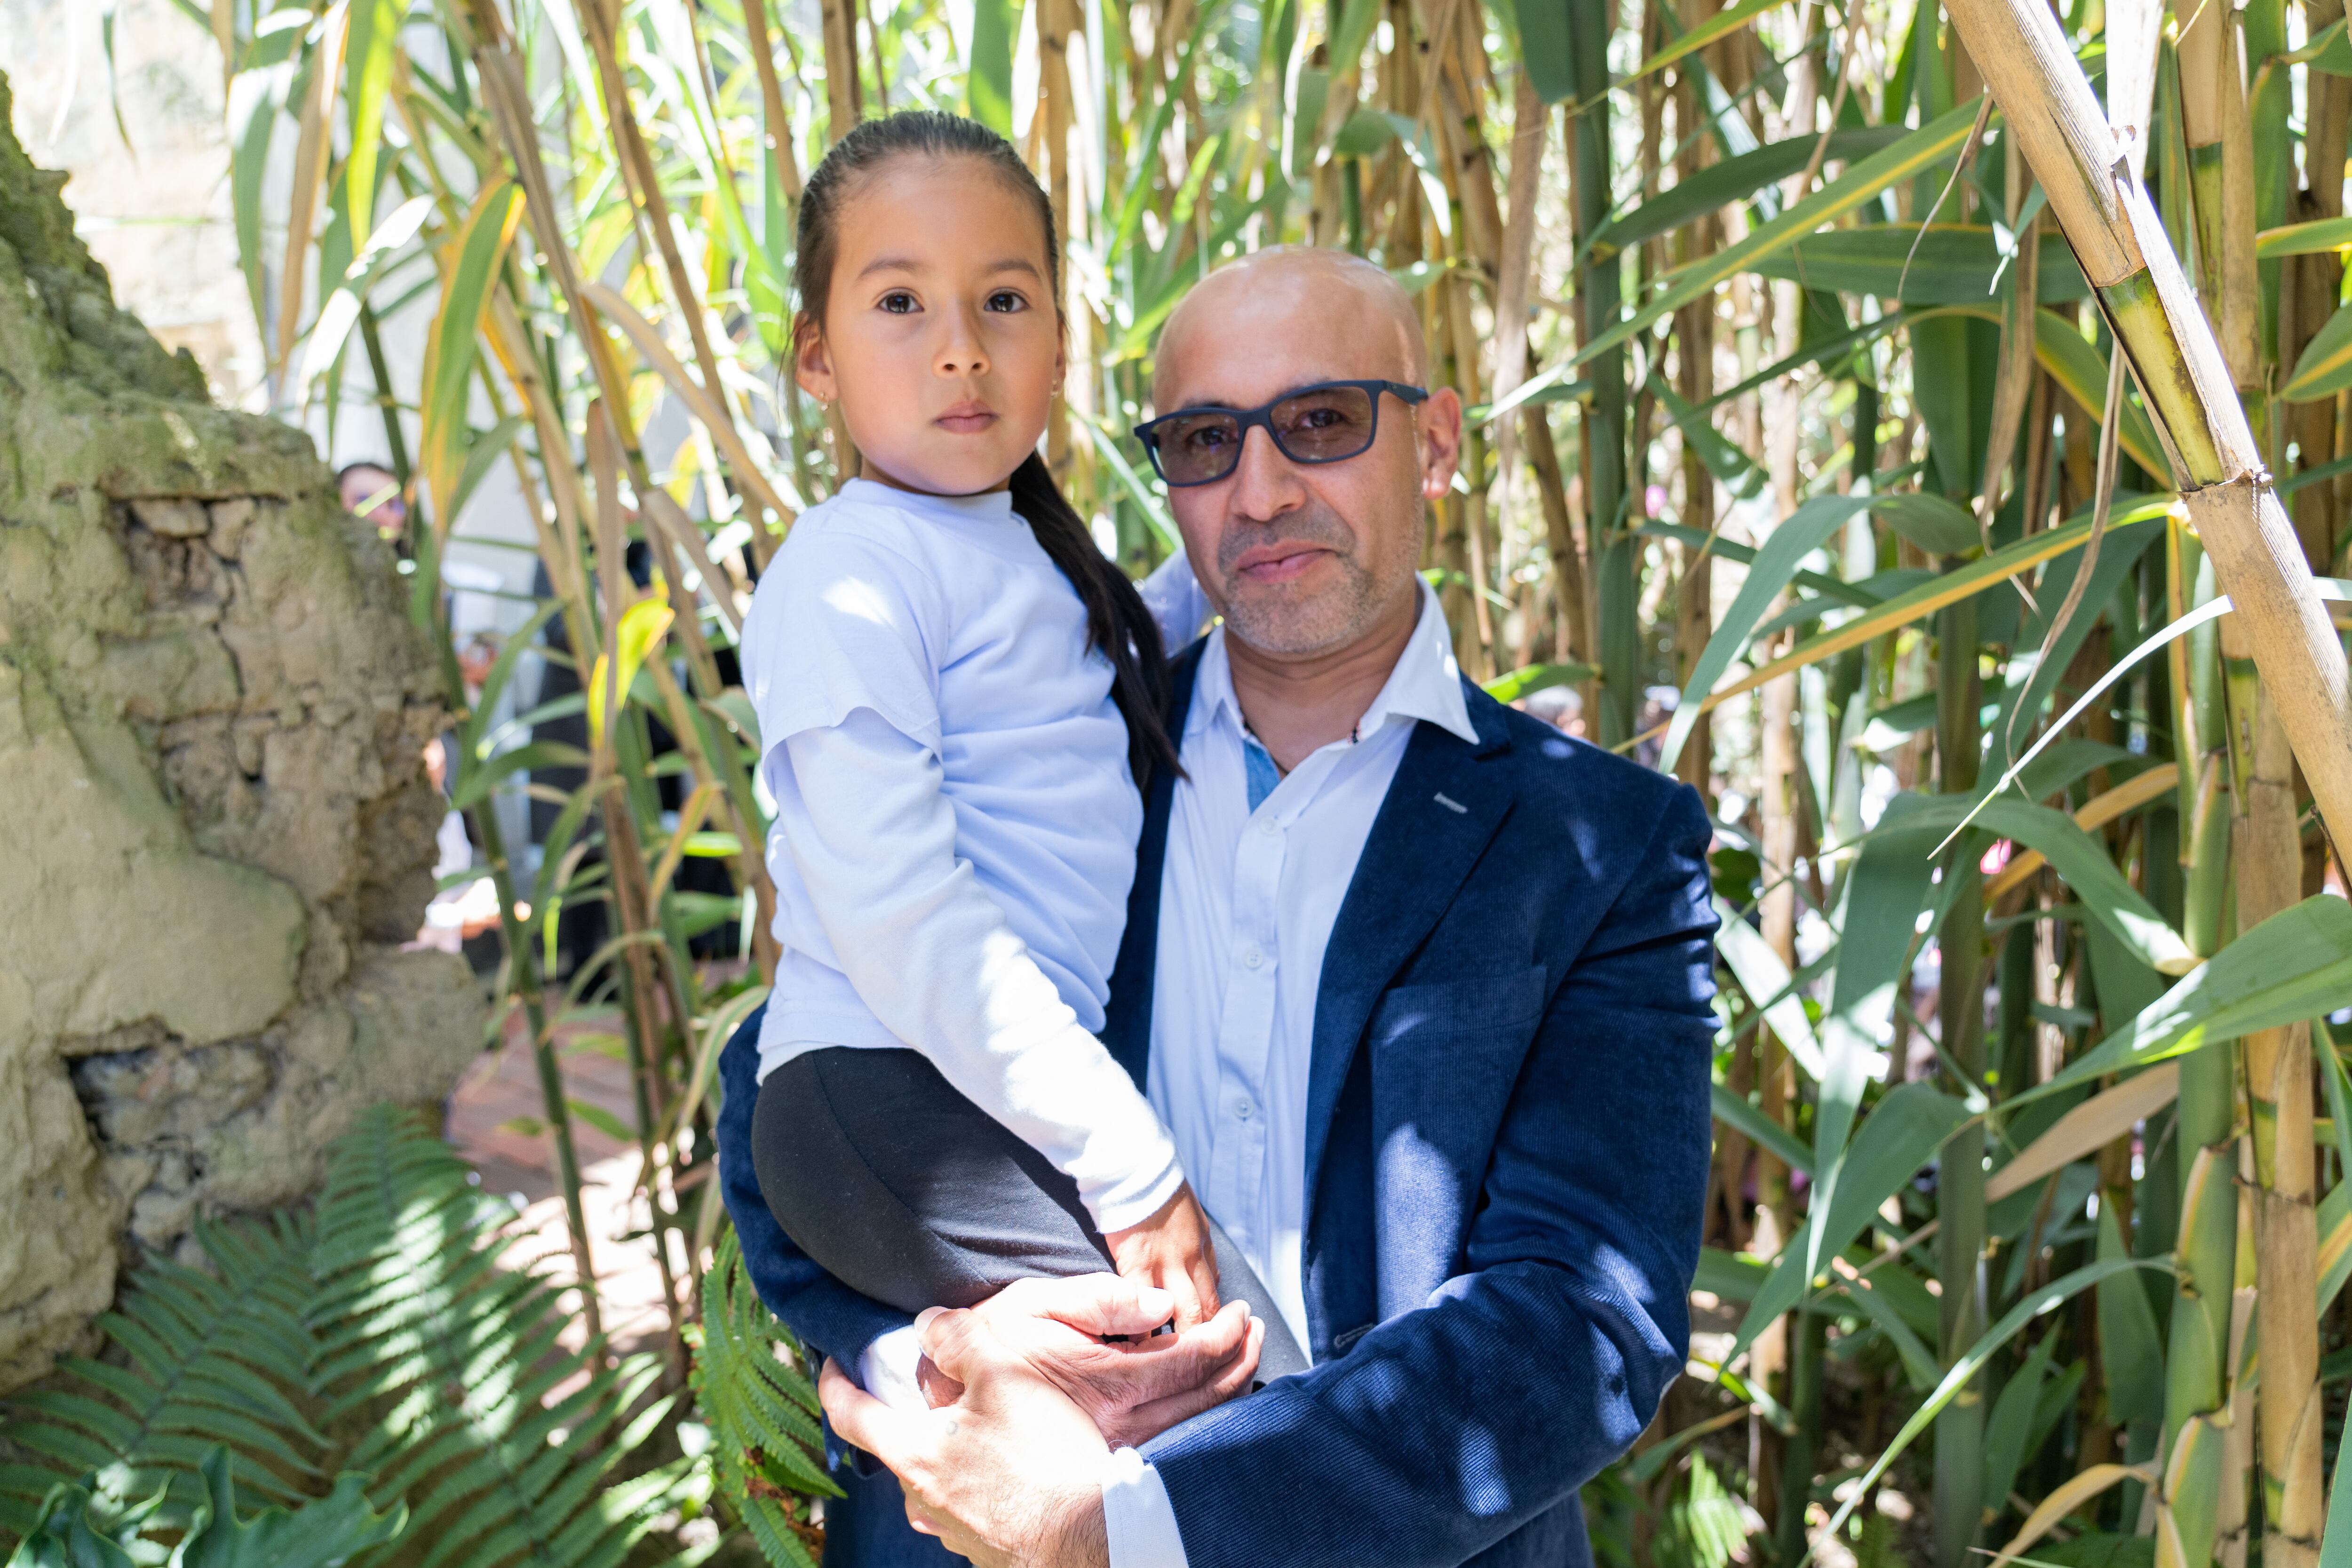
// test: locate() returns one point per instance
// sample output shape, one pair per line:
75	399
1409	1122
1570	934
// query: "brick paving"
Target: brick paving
502	1088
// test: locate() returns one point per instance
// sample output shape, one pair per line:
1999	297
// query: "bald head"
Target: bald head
1306	315
1310	559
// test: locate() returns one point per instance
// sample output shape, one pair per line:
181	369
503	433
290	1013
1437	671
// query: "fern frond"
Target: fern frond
212	1362
766	1446
380	1334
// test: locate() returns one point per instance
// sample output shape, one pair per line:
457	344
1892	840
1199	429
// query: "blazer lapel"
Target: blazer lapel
1441	810
1126	1018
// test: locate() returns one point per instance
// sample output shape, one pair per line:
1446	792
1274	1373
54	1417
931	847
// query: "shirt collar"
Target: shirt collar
1425	684
989	506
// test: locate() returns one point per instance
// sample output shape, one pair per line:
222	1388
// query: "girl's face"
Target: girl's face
940	341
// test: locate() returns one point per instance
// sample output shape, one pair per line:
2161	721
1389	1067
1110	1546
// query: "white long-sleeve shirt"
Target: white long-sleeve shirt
955	826
1255	871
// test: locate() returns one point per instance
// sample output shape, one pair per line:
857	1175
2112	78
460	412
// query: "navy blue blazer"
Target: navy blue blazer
1506	1152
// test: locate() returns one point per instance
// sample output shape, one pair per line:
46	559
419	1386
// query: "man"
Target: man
1421	987
371	492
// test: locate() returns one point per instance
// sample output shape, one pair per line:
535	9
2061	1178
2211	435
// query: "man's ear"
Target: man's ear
1437	427
812	363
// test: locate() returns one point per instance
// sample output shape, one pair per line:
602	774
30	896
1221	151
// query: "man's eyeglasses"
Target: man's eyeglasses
1327	423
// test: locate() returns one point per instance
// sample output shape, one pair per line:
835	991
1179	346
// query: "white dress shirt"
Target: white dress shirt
955	825
1249	898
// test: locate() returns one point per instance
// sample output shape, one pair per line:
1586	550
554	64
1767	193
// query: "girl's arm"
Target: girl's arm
872	839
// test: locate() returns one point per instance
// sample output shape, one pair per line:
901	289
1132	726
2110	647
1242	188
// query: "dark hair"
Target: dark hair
1116	618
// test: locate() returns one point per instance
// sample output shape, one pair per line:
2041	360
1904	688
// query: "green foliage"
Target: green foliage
750	1390
378	1334
77	1529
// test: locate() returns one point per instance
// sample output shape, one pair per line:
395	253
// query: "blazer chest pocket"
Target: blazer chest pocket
1508	1004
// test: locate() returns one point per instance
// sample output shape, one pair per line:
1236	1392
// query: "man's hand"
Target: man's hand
1132	1391
1171	1250
1010	1474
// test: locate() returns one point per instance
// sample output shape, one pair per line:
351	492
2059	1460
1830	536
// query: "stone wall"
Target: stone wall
215	821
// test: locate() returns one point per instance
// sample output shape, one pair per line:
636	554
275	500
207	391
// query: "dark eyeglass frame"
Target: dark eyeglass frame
1261	417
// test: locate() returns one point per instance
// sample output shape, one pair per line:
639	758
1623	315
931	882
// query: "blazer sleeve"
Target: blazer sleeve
1448	1427
829	1317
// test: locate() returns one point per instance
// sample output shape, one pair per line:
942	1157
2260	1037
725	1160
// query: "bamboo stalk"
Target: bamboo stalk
2268	859
777	128
2128	259
1960	1182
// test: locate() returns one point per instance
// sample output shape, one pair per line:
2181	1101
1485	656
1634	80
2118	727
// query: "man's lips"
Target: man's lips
966	419
1279	563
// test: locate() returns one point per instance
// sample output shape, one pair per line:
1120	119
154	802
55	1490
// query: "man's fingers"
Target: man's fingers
1166	1366
1205	1282
1094	1304
862	1420
922	1523
1147	1420
951	1338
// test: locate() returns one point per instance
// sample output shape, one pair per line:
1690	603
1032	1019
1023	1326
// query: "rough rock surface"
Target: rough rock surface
215	820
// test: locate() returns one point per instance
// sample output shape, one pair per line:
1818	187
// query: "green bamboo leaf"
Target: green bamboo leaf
1907	159
1734	1111
1899	1136
1956	264
643	627
1963	583
2318	238
1732	1276
2035	1304
988	85
1735	180
2011	1422
1777	560
1738	471
1535	678
1935	524
2079	858
1919	1367
1548	47
2334	1227
1723	549
2336	1537
475	781
367	83
1723	23
253	100
2131	1354
1886	895
2326	368
469	273
2295	965
1765	978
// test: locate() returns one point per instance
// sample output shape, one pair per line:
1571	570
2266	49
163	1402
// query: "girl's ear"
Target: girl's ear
811	362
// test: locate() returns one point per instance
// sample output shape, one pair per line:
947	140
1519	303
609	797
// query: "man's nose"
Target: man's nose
960	352
1265	483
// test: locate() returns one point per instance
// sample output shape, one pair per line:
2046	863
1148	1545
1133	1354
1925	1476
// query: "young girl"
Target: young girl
959	698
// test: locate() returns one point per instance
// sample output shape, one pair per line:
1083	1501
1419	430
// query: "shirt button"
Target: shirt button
1253	958
1242	1109
1268	826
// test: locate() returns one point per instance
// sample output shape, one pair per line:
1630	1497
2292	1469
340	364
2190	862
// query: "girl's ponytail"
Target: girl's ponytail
1116	617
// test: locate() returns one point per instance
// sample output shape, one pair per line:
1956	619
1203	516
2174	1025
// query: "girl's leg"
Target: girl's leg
903	1190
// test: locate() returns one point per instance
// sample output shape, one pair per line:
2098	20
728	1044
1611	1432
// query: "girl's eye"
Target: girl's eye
899	302
1006	302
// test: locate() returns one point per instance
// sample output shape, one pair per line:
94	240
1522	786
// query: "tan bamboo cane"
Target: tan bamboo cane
2125	253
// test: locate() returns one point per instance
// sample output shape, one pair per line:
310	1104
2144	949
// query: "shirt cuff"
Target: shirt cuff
1131	1206
888	1369
1139	1521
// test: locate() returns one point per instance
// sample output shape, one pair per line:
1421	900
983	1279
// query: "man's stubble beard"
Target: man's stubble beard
1274	622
